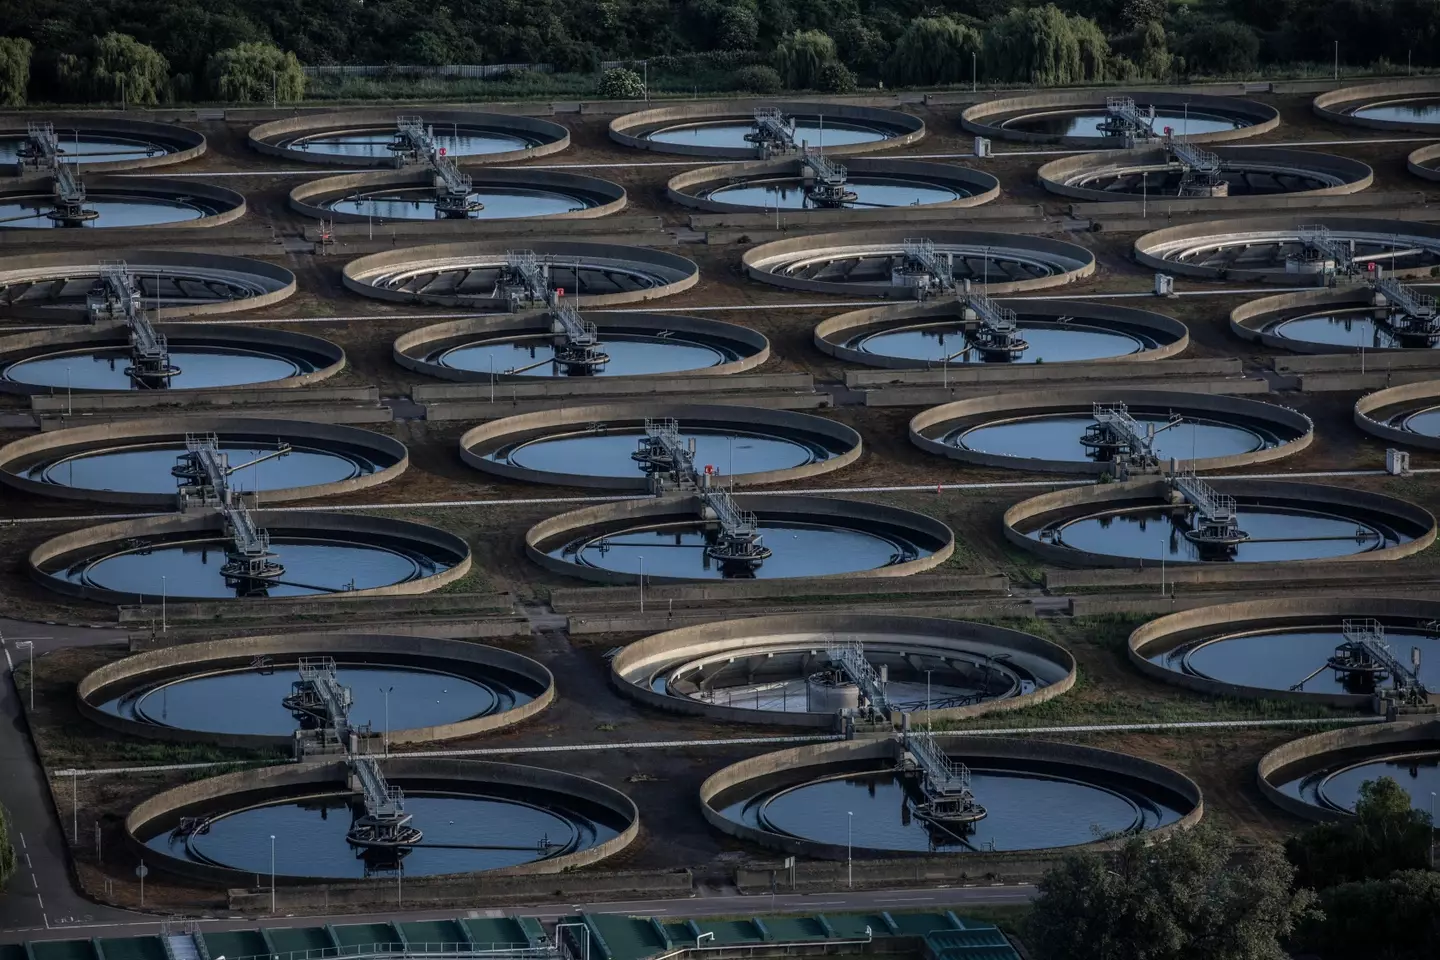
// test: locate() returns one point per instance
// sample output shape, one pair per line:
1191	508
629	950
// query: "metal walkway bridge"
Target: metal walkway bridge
1119	437
850	658
999	333
526	277
118	297
42	149
738	545
1216	522
202	474
944	783
416	142
1124	119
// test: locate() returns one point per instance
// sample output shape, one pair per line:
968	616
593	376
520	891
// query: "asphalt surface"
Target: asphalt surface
40	894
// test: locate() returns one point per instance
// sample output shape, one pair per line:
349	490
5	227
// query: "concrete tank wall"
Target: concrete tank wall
1422	393
134	431
1382	737
640	511
687	188
641	658
630	130
264	137
307	198
981	117
170	804
18	346
1068	400
1160	634
1354	175
818	756
409	344
145	668
198	523
1247	320
686	274
753	260
831	334
1097	497
187	144
1332	104
1422	162
490	435
230	205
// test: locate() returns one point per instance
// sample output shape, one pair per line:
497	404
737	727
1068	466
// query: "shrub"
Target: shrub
835	77
621	84
757	79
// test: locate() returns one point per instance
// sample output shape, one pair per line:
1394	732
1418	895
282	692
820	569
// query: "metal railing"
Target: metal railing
850	657
942	776
1214	507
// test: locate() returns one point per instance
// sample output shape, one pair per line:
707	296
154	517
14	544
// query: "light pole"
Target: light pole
164	593
75	806
387	691
972	72
928	722
1337	59
274	89
642	584
29	645
1162	567
1432	829
849	836
272	873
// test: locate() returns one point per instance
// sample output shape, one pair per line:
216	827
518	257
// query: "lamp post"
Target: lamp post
1162	567
164	595
928	721
642	584
386	742
272	873
1432	829
849	837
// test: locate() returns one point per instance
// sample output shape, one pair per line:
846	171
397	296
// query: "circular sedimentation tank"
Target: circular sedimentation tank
1319	777
1271	249
528	347
1289	649
778	669
1153	172
1425	162
494	194
1139	522
605	445
471	815
873	263
1327	321
208	356
120	202
671	540
859	797
105	144
1079	119
1408	414
1392	105
189	557
474	274
55	286
242	693
943	333
143	462
760	186
721	129
1066	431
368	138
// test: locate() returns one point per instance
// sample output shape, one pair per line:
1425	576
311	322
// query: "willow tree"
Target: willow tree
931	51
255	73
800	56
14	71
122	67
1044	46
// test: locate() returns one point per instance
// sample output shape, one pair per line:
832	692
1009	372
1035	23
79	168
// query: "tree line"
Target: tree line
1362	888
73	50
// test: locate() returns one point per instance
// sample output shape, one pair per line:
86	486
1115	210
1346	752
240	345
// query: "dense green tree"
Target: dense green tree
1042	45
1149	47
621	84
1220	48
1384	836
757	78
835	77
14	75
800	57
122	67
860	46
738	28
1397	918
1135	14
931	51
1189	898
256	72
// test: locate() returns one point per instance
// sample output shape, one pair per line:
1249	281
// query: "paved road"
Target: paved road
940	898
40	894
